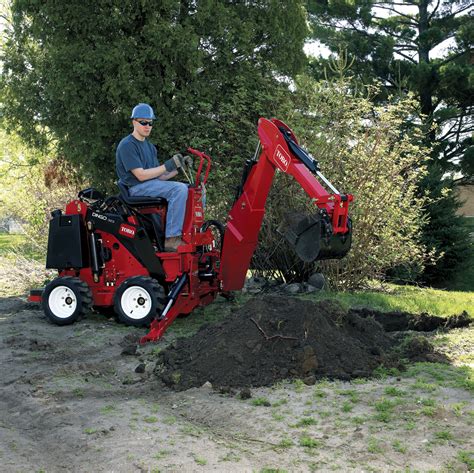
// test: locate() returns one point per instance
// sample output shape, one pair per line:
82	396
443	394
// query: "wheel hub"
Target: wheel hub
136	302
62	302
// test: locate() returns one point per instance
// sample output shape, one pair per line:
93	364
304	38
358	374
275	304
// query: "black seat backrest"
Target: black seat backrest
139	199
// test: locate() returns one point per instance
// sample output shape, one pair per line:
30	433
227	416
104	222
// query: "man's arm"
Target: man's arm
168	175
147	174
164	172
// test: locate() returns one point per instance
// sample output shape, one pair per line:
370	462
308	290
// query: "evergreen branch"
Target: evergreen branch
414	4
442	40
362	32
452	15
391	33
400	14
452	58
432	14
452	154
407	57
450	132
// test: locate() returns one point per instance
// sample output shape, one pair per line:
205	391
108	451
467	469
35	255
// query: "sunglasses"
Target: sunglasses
144	123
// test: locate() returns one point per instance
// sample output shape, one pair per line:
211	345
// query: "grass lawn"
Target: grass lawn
9	241
407	298
18	243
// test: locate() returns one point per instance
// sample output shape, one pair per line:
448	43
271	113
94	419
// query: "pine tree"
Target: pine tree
393	42
398	43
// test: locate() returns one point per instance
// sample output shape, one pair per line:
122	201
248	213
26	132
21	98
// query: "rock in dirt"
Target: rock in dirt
245	394
274	338
317	280
130	350
294	288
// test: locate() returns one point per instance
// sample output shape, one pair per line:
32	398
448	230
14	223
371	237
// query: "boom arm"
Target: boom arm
279	149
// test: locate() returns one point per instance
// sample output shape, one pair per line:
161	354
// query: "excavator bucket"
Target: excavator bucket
312	238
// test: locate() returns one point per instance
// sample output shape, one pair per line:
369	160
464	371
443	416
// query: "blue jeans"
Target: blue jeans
176	193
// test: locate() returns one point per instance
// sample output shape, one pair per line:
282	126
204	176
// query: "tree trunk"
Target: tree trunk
426	86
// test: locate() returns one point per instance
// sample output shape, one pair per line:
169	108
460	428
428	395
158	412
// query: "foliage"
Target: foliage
369	151
445	231
72	73
423	46
31	186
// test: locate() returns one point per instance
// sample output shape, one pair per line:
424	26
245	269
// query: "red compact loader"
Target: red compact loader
109	251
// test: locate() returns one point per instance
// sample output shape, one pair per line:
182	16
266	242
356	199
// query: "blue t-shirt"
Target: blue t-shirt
131	154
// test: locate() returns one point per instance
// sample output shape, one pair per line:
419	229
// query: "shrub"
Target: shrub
368	151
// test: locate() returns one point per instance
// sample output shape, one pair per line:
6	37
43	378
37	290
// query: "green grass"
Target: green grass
150	419
374	446
309	442
428	376
14	242
109	409
211	314
467	457
305	421
10	241
261	401
200	461
406	298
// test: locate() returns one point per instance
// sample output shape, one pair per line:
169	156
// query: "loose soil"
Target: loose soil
85	397
275	338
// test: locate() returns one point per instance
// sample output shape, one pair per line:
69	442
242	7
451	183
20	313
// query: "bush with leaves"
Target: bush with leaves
369	151
31	186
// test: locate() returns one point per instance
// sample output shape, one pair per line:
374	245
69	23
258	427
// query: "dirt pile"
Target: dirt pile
401	321
274	338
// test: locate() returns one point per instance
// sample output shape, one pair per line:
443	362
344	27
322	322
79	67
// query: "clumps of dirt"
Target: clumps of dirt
402	321
274	338
26	343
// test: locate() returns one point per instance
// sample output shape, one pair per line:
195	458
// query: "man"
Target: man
138	168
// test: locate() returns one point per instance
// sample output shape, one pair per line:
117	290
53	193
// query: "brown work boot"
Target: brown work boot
172	243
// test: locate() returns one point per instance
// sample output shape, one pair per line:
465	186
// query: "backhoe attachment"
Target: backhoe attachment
324	234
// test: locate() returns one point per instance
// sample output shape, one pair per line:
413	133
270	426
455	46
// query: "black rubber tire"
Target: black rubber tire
152	288
80	291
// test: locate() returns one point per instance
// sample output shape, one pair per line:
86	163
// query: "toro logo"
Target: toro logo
281	158
127	231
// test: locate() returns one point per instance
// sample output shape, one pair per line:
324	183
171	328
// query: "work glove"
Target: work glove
174	163
187	161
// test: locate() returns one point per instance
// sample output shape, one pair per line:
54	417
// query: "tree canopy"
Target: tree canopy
74	70
401	43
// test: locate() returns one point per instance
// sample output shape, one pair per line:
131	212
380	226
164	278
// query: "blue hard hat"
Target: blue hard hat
143	110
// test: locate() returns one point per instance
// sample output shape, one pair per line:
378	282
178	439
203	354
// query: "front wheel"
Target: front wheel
137	301
66	299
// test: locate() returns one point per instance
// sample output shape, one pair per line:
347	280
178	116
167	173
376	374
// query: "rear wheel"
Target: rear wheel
137	300
66	300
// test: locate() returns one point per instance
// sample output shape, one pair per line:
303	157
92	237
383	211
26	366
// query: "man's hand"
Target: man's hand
187	161
174	163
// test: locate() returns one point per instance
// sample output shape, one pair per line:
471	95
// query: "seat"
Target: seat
138	200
